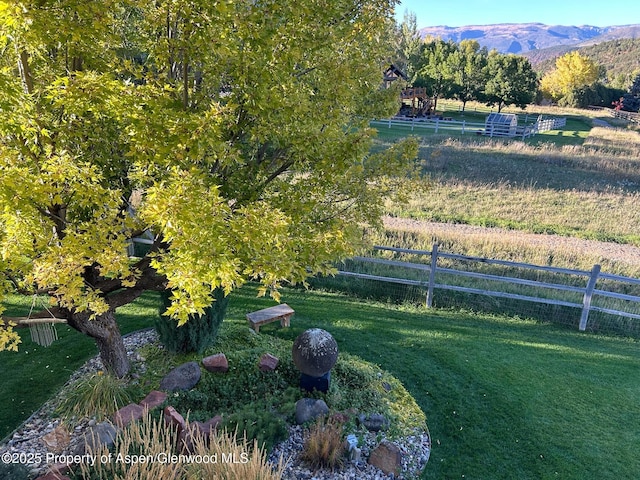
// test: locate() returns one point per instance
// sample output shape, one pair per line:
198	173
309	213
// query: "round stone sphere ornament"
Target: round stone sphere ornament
315	352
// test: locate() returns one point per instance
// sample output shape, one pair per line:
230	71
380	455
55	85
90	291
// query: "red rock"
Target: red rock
131	413
173	419
60	469
153	400
197	427
57	440
216	363
268	363
211	425
387	457
186	438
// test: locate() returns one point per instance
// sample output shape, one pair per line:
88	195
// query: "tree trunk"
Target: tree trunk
104	329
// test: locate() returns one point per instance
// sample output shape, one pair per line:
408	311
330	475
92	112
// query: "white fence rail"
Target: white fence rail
579	290
439	125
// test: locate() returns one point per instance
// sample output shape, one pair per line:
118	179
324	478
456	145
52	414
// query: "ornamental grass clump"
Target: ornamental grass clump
324	445
142	451
229	458
148	450
99	395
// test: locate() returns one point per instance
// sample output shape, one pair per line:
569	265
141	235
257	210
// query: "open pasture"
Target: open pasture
588	188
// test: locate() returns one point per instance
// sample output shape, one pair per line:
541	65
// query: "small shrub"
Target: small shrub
324	446
199	333
259	423
99	395
189	400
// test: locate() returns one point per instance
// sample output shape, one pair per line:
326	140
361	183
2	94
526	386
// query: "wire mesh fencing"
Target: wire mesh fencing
586	300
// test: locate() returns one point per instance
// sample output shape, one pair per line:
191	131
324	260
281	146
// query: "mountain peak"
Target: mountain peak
523	37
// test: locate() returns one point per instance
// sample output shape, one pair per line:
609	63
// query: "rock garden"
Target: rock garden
243	408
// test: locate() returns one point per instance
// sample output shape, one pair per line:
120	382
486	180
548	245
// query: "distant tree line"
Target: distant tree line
467	72
579	81
463	71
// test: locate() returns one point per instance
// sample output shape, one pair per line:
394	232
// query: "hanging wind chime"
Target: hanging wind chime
43	329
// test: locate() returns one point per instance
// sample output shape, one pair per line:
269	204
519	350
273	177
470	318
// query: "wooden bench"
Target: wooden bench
280	312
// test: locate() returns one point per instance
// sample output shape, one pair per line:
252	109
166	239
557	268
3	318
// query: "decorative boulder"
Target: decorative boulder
211	425
315	352
53	476
57	440
374	422
216	363
268	363
184	377
101	434
174	420
130	413
308	409
387	457
153	400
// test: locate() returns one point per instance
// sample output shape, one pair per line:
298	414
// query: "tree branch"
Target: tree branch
25	70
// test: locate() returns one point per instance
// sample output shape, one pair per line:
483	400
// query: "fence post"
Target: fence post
432	274
437	120
588	293
389	122
463	127
413	121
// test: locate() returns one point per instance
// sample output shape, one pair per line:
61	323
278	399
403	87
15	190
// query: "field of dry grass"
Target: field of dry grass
587	190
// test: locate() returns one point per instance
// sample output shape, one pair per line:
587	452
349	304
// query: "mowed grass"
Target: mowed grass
589	188
504	398
33	374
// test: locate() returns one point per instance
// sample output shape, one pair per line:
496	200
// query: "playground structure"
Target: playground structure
415	102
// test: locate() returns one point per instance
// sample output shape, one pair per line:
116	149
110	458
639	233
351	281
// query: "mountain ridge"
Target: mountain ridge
519	38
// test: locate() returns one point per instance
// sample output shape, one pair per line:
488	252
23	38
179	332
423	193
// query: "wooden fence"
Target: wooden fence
629	116
441	124
612	112
432	277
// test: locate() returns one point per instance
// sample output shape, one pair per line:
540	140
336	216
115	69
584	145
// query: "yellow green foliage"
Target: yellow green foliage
237	140
572	71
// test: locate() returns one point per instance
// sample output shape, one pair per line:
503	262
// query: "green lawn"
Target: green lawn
32	375
504	398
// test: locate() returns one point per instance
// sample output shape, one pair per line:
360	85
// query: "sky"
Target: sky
457	13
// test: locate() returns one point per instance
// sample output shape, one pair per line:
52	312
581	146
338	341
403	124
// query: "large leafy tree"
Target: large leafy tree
433	69
407	45
235	132
468	67
573	71
511	81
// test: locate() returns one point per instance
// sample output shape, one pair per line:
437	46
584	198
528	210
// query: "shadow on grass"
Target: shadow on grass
503	398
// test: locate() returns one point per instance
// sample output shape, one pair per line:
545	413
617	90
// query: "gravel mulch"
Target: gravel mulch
27	439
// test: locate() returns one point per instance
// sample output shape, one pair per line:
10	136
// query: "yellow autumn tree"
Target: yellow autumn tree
234	133
572	71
